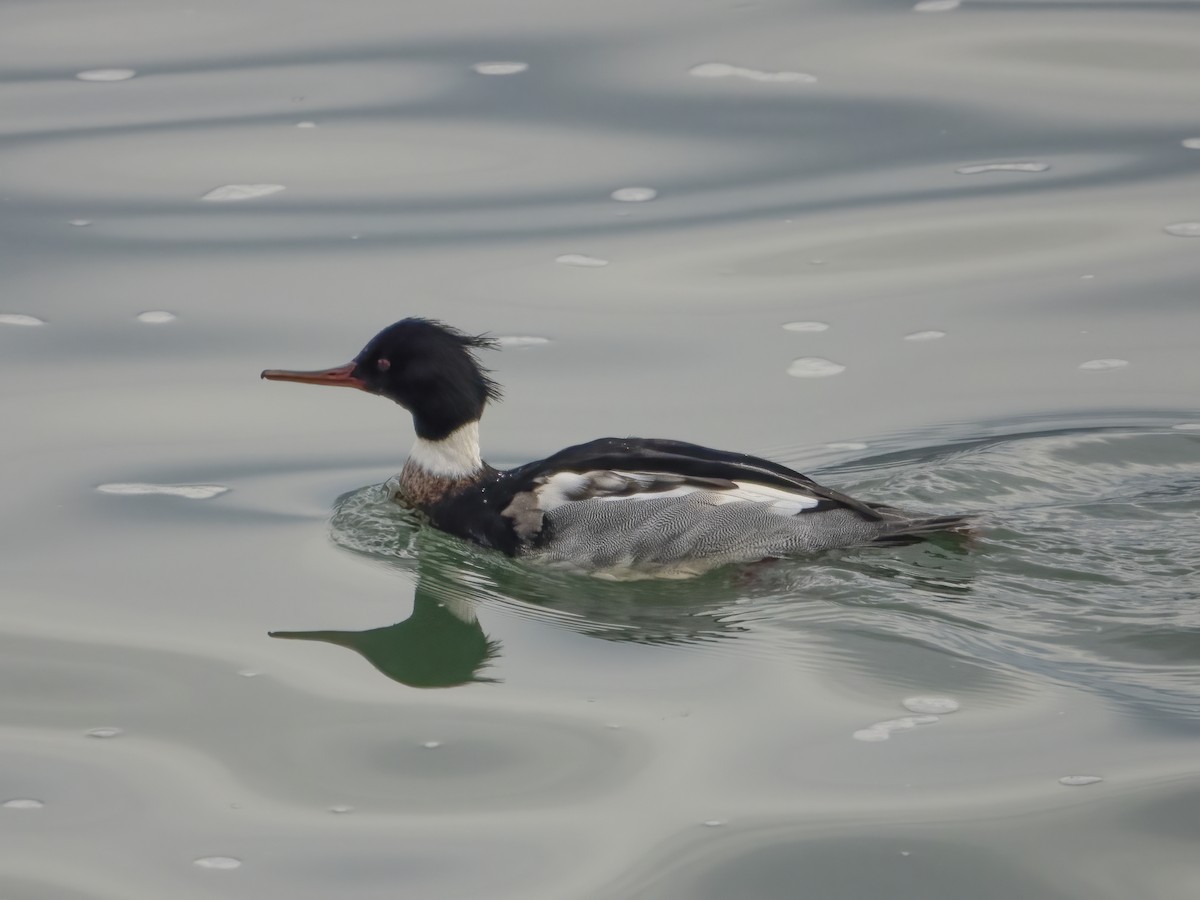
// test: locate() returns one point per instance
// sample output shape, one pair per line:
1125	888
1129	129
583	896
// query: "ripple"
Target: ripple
500	68
1183	229
233	193
22	803
106	75
882	731
1096	365
217	862
20	319
579	259
806	326
925	336
930	6
931	706
1003	167
156	317
725	70
190	491
814	367
847	445
634	194
1080	780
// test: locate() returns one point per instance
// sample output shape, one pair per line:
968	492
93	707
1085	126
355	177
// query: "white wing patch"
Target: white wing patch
610	486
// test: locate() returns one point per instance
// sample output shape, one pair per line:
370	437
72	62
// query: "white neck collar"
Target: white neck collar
454	456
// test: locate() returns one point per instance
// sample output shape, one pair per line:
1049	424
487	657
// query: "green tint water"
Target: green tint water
293	683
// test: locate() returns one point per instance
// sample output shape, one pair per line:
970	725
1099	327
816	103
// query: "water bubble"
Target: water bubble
1191	143
232	193
805	326
1079	780
1183	229
1098	364
933	706
106	75
906	853
249	673
217	862
724	70
156	317
22	803
306	124
190	491
882	731
713	823
814	367
847	445
500	68
520	340
80	223
108	732
925	336
431	745
1004	167
579	259
634	194
341	809
20	319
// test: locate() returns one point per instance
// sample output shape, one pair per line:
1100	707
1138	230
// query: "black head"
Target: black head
428	368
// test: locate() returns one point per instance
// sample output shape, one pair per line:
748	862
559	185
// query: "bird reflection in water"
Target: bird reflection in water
443	644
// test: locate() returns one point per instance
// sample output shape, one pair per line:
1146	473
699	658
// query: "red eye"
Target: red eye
383	364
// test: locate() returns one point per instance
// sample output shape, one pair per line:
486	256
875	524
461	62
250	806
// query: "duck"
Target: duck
617	508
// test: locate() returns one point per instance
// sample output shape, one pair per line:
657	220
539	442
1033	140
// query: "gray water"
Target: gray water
284	678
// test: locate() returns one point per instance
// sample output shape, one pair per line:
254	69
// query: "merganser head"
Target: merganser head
428	368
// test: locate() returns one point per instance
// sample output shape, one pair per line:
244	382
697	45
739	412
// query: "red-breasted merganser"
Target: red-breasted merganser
616	507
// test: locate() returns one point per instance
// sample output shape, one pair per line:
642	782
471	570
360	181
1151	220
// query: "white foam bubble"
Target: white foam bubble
106	74
190	491
1183	229
217	862
1187	426
1098	364
22	803
500	68
1079	780
725	70
108	732
1191	143
431	745
882	731
341	809
579	259
156	317
814	367
80	223
847	445
925	336
805	326
232	193
713	823
249	673
931	706
20	319
521	340
306	124
928	6
634	194
1004	167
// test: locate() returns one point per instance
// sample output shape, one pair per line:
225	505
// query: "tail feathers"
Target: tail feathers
905	529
